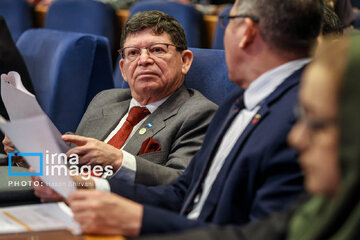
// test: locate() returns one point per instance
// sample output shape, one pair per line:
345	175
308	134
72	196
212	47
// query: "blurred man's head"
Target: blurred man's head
154	53
268	33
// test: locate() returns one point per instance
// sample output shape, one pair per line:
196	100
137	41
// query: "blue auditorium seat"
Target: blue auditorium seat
18	15
208	74
67	70
220	32
84	16
190	19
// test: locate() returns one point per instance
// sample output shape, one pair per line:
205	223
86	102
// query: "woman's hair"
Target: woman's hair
331	54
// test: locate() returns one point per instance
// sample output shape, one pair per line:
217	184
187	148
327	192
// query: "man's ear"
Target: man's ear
249	34
121	65
187	59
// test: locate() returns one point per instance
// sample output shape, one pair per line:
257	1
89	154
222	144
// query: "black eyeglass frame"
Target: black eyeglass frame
121	50
228	17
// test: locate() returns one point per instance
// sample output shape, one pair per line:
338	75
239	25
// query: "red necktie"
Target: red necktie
136	114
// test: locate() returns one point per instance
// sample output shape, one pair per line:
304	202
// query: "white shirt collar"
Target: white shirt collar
151	106
264	85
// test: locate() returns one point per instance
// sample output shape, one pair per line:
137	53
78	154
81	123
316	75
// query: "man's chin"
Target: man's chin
147	77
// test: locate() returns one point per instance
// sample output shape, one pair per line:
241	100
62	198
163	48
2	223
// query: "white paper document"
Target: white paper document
37	217
32	132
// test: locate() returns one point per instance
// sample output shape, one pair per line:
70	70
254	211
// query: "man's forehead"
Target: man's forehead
146	36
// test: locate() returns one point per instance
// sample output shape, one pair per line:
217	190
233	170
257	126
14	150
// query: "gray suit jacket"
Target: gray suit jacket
179	126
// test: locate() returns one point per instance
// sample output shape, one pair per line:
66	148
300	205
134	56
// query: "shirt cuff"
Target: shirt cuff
127	171
101	184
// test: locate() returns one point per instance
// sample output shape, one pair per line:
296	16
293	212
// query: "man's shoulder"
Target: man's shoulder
111	96
197	98
187	102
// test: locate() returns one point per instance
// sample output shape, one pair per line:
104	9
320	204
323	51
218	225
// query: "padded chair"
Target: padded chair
220	32
190	19
18	15
67	69
84	16
208	74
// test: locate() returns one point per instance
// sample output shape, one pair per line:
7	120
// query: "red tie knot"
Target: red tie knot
136	114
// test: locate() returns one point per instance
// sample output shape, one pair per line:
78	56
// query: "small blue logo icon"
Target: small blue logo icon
17	154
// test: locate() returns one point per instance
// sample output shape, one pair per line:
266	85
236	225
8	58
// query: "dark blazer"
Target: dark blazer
179	126
273	227
260	175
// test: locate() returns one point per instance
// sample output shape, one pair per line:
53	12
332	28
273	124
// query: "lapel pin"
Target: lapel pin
142	131
256	119
149	125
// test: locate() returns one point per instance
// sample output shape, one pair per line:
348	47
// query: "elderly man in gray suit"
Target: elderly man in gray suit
150	132
173	119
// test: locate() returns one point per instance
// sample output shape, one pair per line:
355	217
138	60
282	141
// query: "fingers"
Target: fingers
89	152
8	149
6	141
8	145
45	193
84	195
78	151
82	183
85	219
75	139
84	153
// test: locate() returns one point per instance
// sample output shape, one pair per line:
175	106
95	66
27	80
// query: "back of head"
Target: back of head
286	25
159	22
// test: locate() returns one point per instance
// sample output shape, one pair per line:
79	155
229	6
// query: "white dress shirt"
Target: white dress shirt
127	170
256	93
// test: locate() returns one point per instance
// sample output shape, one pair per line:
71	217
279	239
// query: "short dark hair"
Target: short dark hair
287	25
159	22
331	23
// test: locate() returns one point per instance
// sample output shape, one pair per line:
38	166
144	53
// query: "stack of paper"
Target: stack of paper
37	217
31	131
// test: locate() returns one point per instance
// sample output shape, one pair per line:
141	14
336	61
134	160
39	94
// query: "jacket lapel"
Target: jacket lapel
135	142
165	111
100	128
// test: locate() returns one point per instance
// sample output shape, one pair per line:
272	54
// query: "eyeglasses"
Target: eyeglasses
312	124
156	49
224	19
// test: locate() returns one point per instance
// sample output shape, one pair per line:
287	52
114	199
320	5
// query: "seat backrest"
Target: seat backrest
18	15
84	16
208	74
219	32
67	70
190	19
118	79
